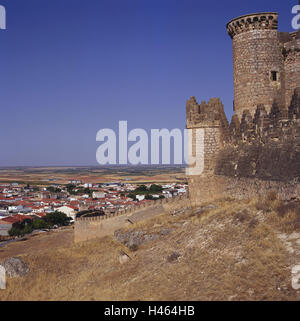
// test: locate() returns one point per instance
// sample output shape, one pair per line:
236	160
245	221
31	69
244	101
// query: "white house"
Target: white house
98	195
68	210
140	197
15	209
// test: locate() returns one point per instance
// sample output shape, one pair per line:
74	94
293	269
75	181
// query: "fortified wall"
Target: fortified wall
266	62
259	151
87	228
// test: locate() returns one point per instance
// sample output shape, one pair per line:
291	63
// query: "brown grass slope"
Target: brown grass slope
231	252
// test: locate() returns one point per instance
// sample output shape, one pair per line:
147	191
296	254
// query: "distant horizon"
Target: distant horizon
88	166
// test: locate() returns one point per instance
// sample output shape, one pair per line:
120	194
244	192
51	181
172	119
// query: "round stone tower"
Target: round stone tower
258	63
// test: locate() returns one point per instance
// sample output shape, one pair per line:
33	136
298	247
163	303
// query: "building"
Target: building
266	62
75	181
4	228
8	222
259	150
98	195
70	211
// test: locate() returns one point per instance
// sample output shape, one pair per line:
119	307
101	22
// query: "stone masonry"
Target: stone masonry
259	151
266	63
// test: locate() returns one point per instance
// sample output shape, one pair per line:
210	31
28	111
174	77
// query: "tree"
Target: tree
57	218
156	188
14	232
88	191
53	189
70	188
21	228
141	189
131	195
39	224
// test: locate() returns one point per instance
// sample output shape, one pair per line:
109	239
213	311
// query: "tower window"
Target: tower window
274	75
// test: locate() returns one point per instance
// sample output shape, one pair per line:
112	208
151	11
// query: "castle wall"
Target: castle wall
96	227
208	188
292	66
260	154
256	54
207	130
259	151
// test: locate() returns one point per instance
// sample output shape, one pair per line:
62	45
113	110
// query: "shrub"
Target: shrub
141	189
39	224
57	218
14	232
155	188
272	196
253	223
133	247
263	205
284	208
242	216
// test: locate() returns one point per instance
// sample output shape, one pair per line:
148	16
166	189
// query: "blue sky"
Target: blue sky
72	67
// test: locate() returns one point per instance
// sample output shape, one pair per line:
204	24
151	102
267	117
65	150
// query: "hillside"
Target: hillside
223	250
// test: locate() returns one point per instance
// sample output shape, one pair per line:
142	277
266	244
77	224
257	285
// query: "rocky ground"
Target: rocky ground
223	250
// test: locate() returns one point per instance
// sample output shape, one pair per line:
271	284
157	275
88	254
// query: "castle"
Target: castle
259	150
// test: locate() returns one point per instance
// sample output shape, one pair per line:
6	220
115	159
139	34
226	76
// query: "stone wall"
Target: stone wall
259	151
208	130
291	53
266	63
209	187
266	146
97	227
247	158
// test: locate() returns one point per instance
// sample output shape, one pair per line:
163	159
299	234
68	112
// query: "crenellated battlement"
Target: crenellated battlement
95	227
134	209
259	151
203	115
273	125
250	22
266	62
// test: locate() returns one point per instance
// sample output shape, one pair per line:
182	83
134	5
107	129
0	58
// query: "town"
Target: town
21	203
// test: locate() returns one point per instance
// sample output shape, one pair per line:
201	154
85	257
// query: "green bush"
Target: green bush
39	224
57	218
155	188
14	232
141	189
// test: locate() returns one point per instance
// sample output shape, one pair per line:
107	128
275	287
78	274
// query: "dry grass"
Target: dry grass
231	252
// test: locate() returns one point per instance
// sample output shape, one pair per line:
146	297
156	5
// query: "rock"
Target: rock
165	231
173	257
2	278
294	236
206	208
133	239
296	277
124	258
15	267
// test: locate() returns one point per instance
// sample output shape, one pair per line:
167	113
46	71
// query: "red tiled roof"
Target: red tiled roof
16	218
